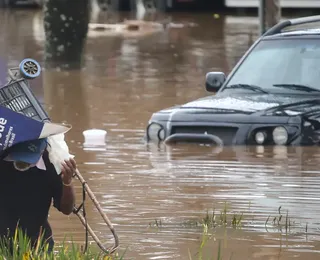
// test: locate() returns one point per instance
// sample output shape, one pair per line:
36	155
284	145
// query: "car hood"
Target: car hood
250	104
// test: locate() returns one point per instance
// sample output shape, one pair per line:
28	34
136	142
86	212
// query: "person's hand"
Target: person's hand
67	171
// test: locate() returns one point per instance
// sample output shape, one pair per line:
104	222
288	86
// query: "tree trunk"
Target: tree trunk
273	13
66	27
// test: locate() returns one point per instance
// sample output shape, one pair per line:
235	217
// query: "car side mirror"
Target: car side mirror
214	81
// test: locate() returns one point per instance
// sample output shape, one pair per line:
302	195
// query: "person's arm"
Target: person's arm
67	201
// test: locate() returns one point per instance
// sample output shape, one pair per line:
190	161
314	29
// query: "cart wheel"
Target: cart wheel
29	68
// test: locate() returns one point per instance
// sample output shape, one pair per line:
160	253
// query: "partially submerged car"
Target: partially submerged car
271	97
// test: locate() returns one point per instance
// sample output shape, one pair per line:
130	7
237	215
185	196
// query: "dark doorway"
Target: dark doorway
198	5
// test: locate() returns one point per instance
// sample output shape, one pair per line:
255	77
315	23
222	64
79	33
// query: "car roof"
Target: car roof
315	32
282	29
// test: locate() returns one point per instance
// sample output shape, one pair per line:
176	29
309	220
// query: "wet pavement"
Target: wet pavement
124	80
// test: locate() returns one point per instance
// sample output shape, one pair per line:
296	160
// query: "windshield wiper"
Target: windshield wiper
248	86
297	87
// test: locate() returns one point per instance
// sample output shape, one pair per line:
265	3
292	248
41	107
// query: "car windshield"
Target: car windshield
280	66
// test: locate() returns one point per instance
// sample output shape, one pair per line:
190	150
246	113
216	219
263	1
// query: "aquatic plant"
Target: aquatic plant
280	222
20	247
157	223
206	236
213	219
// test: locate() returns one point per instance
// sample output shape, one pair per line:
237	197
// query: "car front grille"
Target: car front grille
226	134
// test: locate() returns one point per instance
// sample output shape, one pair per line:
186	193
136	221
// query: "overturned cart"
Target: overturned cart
18	105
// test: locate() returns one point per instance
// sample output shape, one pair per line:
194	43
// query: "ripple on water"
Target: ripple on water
177	191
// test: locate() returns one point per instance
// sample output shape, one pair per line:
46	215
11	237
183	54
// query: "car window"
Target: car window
285	61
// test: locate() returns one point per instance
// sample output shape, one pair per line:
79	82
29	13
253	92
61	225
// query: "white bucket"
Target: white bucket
94	138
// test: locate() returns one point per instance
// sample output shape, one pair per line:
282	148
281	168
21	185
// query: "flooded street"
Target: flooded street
153	194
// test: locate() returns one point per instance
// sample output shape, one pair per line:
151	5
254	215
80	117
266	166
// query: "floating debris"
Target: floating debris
129	28
94	138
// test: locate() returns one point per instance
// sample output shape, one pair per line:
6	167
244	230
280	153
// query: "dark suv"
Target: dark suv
271	97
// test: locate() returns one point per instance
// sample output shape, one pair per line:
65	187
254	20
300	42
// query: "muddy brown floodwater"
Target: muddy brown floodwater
124	80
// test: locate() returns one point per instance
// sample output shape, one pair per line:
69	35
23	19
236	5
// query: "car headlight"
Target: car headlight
155	132
280	135
260	137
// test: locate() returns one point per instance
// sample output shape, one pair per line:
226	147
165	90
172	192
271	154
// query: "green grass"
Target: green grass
213	220
23	250
280	221
206	236
20	248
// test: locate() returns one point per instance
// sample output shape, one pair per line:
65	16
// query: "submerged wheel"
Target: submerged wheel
29	68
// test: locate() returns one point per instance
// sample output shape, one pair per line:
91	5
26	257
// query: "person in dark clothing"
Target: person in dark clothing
26	197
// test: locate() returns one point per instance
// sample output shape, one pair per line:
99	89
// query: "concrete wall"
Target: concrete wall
283	3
